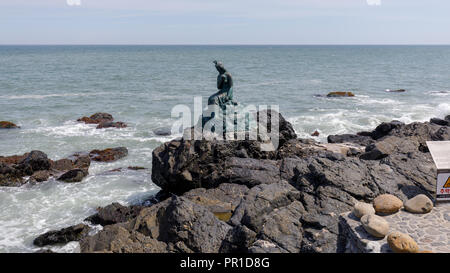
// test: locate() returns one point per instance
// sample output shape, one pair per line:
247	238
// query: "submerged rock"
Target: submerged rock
63	236
7	125
340	94
111	124
104	120
163	131
109	155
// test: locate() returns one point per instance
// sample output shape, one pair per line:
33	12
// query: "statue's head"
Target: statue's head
220	67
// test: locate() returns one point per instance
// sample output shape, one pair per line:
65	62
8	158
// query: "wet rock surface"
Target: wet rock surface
109	155
65	235
35	165
104	120
231	196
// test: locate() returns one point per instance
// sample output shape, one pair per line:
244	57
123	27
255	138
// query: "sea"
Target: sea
45	89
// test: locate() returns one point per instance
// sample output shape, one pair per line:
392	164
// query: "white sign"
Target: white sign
443	187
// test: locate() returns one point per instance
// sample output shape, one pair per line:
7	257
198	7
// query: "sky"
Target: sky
224	22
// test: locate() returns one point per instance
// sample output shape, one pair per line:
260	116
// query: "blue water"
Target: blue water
45	89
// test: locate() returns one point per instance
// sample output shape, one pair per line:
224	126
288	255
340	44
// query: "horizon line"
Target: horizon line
213	44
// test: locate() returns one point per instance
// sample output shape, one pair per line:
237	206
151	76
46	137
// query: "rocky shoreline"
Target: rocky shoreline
231	197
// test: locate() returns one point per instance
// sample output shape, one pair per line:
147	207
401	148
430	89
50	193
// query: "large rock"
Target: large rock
37	160
114	214
7	125
63	236
402	243
439	121
109	155
387	204
419	204
375	225
389	145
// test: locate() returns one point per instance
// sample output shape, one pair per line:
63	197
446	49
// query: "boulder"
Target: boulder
387	204
439	121
7	125
109	155
360	209
73	176
113	214
37	160
419	204
340	94
63	236
315	134
375	225
402	243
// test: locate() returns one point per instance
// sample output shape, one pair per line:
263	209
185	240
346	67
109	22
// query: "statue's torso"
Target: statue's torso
224	81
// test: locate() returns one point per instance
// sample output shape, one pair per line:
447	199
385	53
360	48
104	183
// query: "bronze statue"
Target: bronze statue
225	85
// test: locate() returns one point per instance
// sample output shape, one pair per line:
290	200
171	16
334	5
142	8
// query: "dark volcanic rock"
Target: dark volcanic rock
7	125
348	138
439	121
73	176
97	118
235	198
37	160
76	161
109	155
63	236
111	124
104	120
36	165
113	214
117	239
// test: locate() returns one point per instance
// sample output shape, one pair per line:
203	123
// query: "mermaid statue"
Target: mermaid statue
224	96
223	115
